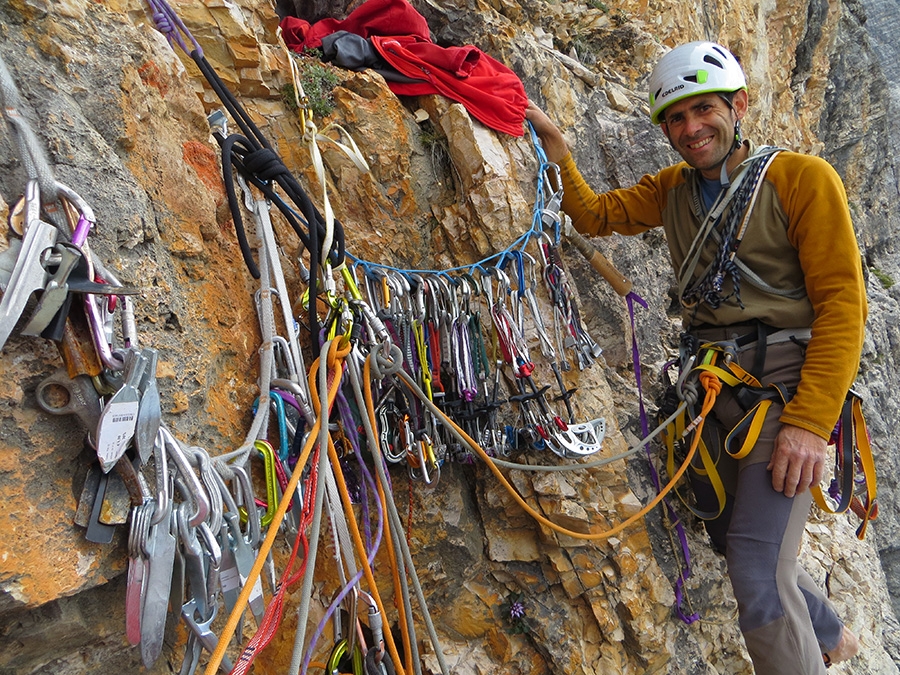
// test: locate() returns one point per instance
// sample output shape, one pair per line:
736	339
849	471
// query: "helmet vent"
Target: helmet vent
718	64
691	69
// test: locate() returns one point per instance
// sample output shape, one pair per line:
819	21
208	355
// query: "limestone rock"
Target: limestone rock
123	118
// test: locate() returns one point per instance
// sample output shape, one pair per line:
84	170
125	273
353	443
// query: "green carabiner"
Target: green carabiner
267	452
338	652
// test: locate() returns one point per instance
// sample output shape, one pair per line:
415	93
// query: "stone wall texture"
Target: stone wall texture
122	118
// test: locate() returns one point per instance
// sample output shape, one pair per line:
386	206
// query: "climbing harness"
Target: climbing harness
854	482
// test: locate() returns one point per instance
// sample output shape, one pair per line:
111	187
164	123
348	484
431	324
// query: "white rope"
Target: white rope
270	252
339	528
309	572
260	425
310	134
352	151
313	136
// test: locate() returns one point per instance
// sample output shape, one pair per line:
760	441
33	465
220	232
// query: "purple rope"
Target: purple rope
685	573
170	24
332	608
685	570
352	436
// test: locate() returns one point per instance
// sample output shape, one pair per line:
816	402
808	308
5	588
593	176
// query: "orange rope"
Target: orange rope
335	357
712	385
395	574
361	552
398	595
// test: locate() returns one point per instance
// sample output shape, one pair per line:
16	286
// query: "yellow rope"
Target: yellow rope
338	350
361	553
392	553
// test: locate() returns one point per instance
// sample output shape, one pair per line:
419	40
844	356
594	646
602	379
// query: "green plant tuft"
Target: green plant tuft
883	278
430	137
318	81
513	611
288	97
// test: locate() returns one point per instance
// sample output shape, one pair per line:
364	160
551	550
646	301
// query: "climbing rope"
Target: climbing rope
328	367
710	382
739	200
249	159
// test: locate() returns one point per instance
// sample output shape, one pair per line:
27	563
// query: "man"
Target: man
767	261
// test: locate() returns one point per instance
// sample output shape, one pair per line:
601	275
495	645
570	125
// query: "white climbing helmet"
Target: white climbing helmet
693	68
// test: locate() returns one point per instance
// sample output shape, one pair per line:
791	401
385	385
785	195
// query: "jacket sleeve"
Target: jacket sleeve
626	211
820	228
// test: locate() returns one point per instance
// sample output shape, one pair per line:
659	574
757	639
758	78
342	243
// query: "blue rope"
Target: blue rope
518	245
170	24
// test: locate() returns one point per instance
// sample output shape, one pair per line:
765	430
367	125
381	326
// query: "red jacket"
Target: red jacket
490	91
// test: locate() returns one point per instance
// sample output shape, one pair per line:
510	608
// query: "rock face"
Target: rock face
122	119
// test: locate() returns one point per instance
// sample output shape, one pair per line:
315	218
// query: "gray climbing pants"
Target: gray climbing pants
786	620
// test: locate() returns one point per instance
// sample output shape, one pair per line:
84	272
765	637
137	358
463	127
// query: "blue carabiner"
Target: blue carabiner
284	443
520	272
283	439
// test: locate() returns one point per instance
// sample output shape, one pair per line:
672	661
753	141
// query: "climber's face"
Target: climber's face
701	129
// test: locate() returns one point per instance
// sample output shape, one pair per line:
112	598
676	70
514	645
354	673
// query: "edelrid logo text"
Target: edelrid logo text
671	91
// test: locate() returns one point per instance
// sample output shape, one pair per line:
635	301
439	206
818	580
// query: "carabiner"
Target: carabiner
517	257
419	292
387	410
249	501
269	462
350	283
339	652
284	441
197	492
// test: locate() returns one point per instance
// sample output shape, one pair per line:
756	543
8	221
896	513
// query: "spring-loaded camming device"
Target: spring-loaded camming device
546	344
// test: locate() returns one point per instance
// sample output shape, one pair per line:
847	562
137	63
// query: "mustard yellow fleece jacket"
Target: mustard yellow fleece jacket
799	237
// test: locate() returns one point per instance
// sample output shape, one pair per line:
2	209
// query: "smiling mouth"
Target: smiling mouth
699	144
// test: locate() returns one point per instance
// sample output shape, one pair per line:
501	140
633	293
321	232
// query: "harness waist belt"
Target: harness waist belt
780	336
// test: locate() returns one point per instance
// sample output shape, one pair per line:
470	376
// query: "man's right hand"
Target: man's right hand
798	460
552	140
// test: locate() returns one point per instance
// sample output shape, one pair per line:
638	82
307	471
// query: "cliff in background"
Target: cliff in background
123	120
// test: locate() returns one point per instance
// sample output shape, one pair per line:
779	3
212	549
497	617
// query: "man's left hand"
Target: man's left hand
798	460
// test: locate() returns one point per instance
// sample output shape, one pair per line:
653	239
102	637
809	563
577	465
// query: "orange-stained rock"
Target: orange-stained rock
123	118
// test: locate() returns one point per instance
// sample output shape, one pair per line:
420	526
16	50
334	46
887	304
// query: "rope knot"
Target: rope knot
689	393
384	364
711	382
163	24
265	164
338	350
